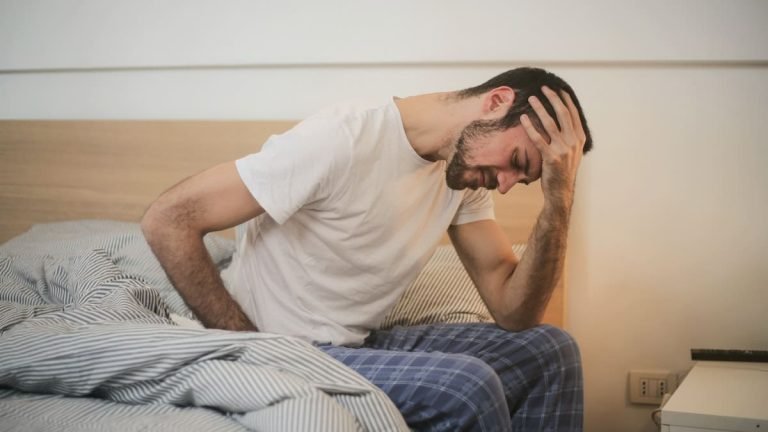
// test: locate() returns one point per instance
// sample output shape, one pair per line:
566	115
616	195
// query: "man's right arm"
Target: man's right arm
174	226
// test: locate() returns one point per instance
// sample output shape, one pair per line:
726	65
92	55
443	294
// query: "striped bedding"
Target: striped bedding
86	344
442	293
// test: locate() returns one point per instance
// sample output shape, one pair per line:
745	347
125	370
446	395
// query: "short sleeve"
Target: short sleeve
476	205
296	168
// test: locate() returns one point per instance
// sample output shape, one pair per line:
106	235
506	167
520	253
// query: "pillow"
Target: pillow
442	293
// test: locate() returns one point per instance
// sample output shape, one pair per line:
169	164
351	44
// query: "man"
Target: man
344	210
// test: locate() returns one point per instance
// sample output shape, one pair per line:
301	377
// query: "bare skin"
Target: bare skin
174	227
515	292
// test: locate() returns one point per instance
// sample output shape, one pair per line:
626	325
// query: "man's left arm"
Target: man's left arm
517	292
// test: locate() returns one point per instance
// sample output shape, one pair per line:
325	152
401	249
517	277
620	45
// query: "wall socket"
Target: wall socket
649	386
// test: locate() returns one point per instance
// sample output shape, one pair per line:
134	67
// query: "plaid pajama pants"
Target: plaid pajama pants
474	377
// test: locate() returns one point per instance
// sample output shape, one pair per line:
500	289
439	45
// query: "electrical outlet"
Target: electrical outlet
649	386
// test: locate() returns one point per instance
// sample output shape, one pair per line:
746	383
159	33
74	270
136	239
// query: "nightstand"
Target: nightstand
719	397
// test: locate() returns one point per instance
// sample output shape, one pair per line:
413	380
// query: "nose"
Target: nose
506	181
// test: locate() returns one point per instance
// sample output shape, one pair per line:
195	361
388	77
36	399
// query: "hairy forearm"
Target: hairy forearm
529	288
193	273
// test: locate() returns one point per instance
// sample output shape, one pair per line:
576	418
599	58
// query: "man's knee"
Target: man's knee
548	348
475	378
555	339
469	389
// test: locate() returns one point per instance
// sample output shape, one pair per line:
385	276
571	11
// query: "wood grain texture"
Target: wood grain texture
66	170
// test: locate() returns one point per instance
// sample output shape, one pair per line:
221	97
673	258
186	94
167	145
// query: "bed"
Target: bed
94	337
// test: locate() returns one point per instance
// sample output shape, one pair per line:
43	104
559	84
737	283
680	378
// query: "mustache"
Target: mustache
491	181
457	167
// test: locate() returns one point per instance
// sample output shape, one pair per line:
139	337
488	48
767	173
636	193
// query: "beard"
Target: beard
458	166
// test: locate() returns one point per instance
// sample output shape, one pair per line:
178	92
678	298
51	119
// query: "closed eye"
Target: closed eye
515	163
527	165
517	166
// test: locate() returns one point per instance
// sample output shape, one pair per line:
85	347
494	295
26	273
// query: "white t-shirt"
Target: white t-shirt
352	215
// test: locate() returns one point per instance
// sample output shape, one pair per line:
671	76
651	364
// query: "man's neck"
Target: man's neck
433	122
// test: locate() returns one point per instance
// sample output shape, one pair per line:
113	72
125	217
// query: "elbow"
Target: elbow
161	218
518	326
151	223
520	312
166	218
518	321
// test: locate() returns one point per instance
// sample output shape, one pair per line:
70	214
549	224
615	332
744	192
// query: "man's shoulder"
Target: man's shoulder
349	121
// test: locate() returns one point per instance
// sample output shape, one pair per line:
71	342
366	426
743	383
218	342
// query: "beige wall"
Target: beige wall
669	235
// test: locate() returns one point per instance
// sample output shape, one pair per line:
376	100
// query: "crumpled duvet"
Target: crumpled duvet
86	343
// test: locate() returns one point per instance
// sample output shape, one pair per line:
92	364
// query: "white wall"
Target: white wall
41	34
277	60
669	236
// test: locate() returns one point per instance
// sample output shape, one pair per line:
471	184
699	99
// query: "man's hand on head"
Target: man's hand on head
561	156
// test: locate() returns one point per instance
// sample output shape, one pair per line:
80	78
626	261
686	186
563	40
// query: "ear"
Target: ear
499	100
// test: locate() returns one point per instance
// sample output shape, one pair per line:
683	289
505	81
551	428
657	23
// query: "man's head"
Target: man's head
495	151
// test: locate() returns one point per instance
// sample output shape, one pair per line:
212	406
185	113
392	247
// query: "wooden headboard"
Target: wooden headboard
64	170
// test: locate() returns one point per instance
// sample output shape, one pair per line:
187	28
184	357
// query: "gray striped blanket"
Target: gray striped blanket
86	344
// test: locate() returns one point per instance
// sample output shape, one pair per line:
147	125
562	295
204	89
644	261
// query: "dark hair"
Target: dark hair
527	82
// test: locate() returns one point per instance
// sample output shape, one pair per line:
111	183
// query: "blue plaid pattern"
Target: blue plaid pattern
475	377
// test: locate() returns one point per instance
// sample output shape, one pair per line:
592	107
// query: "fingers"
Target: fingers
564	116
571	130
549	124
541	144
575	117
